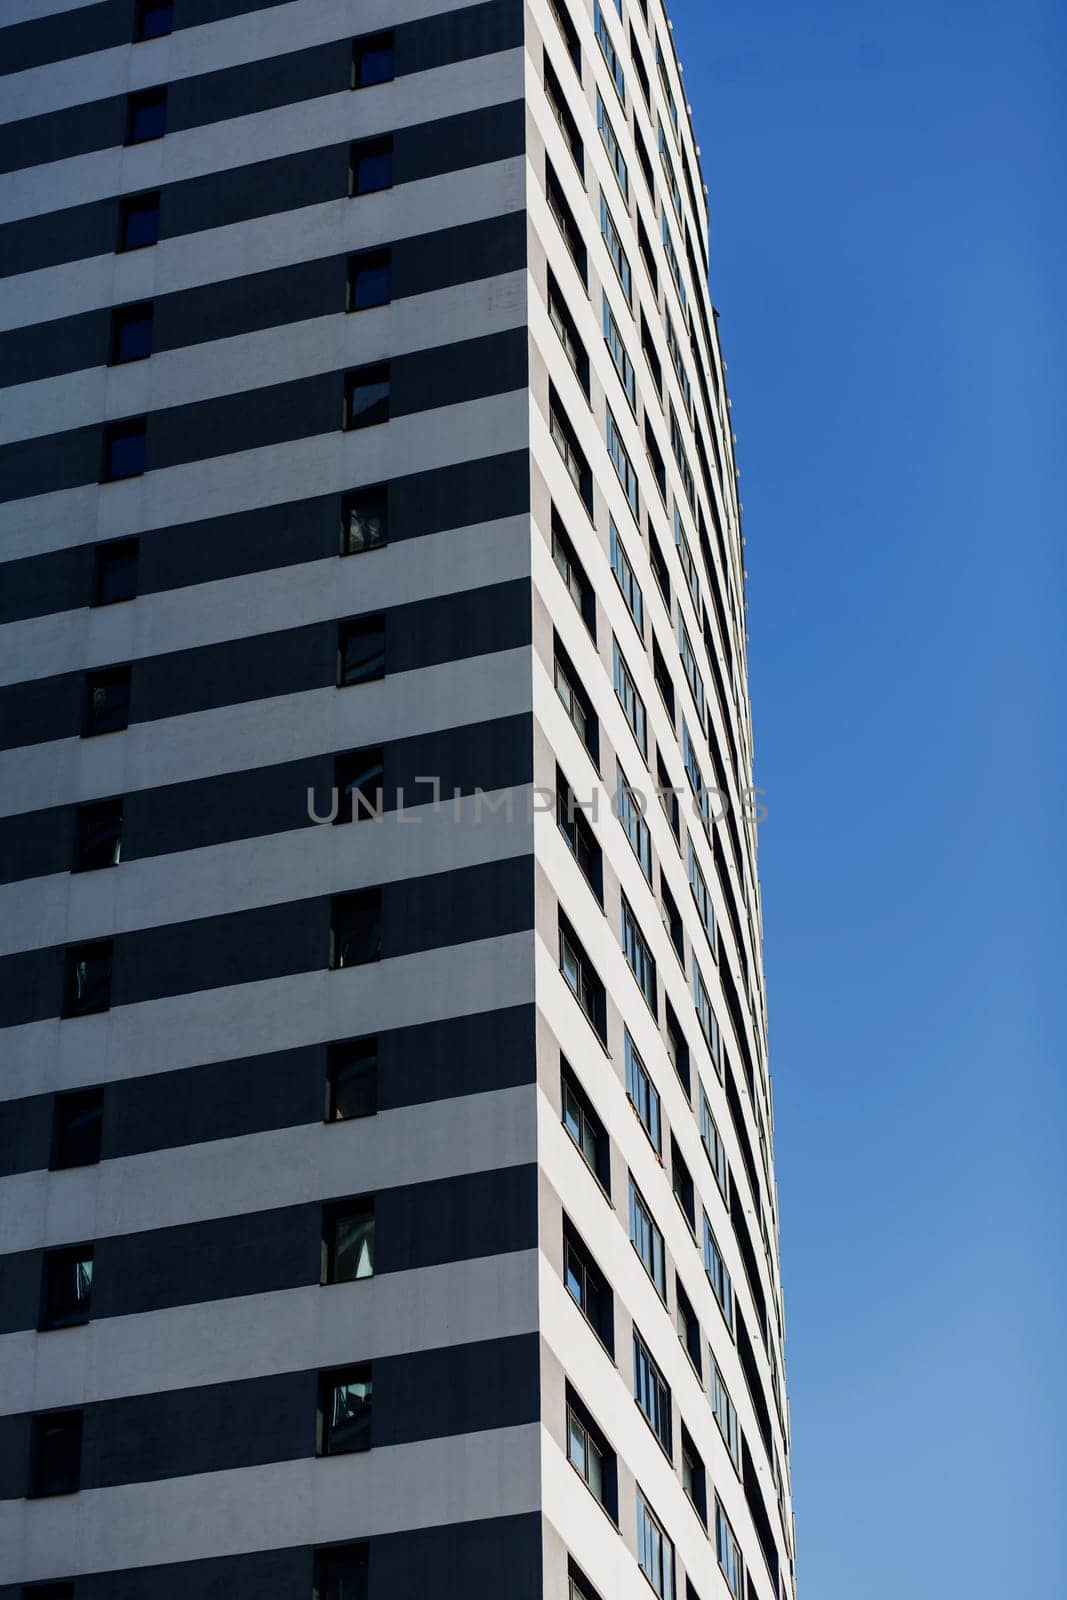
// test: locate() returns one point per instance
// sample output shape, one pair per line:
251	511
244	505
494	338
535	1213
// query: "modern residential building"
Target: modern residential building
387	1204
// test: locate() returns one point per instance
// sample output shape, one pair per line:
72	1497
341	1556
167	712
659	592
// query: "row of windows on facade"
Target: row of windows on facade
340	1572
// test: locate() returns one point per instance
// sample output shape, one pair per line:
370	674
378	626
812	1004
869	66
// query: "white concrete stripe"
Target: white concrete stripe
261	243
261	136
251	361
310	1007
256	1336
313	1501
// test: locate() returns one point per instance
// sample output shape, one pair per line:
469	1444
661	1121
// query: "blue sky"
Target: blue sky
887	250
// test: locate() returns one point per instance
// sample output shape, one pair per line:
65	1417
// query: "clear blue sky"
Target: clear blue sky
887	201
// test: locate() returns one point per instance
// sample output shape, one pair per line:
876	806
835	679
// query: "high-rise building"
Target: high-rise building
387	1202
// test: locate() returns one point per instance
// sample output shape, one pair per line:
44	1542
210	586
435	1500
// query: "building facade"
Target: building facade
385	1130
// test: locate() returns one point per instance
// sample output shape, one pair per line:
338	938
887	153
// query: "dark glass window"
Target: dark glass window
367	396
370	280
587	1286
688	1326
146	116
652	1393
357	928
580	976
107	701
579	835
131	333
139	221
79	1121
573	573
352	1080
358	778
373	60
47	1591
99	838
154	18
585	1127
672	918
682	1185
68	1284
365	519
124	449
678	1049
361	651
115	575
694	1478
341	1573
371	166
348	1241
659	568
346	1410
57	1453
89	978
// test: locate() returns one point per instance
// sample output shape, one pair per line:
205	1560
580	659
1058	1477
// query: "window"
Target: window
693	773
586	1285
341	1573
694	1477
352	1083
370	280
655	458
661	63
712	1142
639	67
682	1185
655	1553
580	976
146	115
698	884
561	211
624	577
115	571
139	220
365	519
356	932
154	19
57	1453
673	188
47	1591
358	776
360	651
648	346
88	979
663	681
99	836
131	333
611	145
348	1241
673	263
580	838
585	1128
638	956
566	442
647	1240
569	32
617	350
68	1283
652	1394
573	347
642	1092
677	1049
77	1129
124	450
373	60
729	1553
718	1277
573	573
668	792
659	568
678	361
620	460
370	166
576	702
557	104
611	55
709	1027
644	244
345	1410
688	1326
672	919
629	699
725	1414
578	1587
367	396
618	255
681	458
588	1453
630	809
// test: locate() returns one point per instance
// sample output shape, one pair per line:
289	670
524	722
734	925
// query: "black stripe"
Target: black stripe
415	1225
289	534
424	633
264	188
230	1099
418	914
492	755
262	300
450	1562
223	1427
277	414
265	85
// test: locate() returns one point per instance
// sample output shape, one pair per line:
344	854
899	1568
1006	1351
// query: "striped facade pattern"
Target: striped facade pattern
567	1151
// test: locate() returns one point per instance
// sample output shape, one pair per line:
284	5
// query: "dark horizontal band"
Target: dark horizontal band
415	1225
83	31
417	1065
450	1562
420	503
261	300
258	86
279	413
224	1427
264	188
417	914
